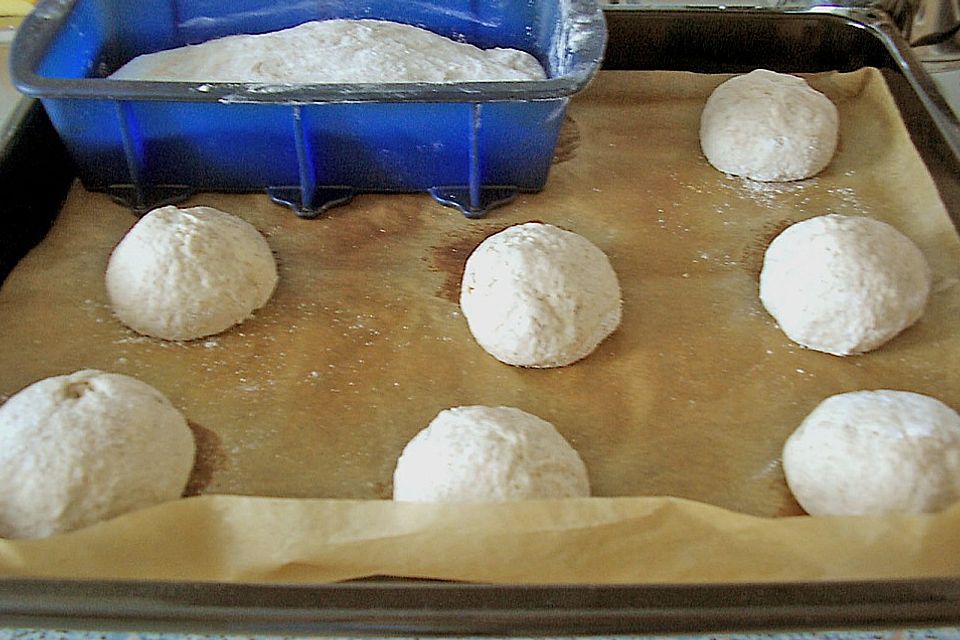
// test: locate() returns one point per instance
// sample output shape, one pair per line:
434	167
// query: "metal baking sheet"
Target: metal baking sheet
363	341
404	606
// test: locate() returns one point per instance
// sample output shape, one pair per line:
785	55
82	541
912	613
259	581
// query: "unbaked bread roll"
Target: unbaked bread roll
535	295
488	454
843	284
769	126
875	452
85	447
181	274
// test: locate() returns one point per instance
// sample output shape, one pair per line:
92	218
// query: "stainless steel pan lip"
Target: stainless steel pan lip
384	607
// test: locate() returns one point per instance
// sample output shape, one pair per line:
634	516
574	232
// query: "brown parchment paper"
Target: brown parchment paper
680	415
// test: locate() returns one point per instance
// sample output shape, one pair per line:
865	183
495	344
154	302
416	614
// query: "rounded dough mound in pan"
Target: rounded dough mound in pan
488	454
181	274
535	295
768	126
875	452
843	284
80	448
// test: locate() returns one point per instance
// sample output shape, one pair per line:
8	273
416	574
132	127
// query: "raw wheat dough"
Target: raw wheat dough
875	452
334	51
843	284
768	126
181	274
535	295
85	447
488	454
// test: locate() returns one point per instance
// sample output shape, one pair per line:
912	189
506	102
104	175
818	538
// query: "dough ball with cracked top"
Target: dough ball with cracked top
875	452
80	448
181	274
769	126
535	295
843	284
488	454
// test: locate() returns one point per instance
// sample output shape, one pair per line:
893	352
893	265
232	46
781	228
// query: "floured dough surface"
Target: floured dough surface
844	284
535	295
85	447
769	127
875	452
181	274
488	454
334	51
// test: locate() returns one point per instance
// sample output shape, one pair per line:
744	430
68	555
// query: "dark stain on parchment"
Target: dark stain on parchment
788	504
752	255
568	141
790	507
209	459
451	257
383	490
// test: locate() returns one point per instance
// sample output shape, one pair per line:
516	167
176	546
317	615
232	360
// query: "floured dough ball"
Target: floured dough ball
843	284
768	126
181	274
85	447
875	452
534	295
488	454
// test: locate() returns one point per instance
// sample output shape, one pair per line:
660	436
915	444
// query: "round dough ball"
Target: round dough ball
843	284
85	447
875	452
181	274
534	295
488	454
768	126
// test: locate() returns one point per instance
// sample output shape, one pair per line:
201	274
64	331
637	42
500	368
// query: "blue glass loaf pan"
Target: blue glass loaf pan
471	145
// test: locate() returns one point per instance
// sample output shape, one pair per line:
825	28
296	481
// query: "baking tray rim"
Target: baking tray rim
394	606
383	606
